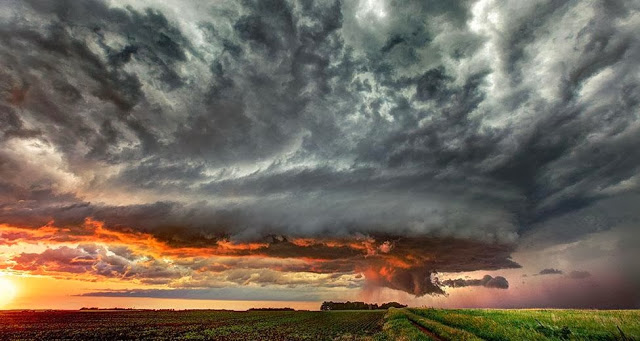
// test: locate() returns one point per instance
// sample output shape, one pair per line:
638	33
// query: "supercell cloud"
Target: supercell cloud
332	144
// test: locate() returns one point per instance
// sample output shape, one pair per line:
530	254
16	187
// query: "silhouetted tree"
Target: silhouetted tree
329	305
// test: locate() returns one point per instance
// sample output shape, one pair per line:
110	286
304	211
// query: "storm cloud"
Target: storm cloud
550	271
487	281
445	130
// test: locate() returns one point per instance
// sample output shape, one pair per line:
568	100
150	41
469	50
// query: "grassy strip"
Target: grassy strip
503	324
398	327
444	331
481	325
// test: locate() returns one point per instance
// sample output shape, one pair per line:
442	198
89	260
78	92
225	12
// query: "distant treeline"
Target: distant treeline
115	308
358	305
271	309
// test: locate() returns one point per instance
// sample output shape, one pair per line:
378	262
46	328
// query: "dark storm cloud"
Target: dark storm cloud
83	78
550	271
487	281
412	263
558	166
150	37
613	212
239	120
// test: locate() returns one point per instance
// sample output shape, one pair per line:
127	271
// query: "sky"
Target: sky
254	153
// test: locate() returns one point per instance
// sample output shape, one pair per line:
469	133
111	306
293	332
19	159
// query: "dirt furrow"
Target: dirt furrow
426	331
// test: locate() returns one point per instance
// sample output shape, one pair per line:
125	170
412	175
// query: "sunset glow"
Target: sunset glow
8	291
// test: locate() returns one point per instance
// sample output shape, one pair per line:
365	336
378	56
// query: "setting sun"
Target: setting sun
7	291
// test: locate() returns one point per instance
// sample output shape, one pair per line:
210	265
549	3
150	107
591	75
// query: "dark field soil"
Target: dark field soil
197	325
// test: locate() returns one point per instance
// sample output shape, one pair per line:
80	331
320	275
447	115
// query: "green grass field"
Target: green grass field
538	324
395	324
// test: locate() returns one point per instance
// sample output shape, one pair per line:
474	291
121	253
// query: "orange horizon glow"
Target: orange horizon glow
66	285
8	291
44	293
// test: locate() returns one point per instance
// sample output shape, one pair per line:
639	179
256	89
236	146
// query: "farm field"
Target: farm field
192	325
527	324
395	324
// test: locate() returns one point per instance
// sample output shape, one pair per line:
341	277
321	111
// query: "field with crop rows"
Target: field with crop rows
193	325
396	324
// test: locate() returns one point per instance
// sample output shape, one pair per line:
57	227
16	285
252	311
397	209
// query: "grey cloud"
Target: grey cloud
90	78
487	281
550	271
150	36
605	214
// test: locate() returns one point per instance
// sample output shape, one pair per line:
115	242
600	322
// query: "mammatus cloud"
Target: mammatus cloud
436	133
487	281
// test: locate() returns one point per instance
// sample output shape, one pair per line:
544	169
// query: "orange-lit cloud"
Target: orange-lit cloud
92	251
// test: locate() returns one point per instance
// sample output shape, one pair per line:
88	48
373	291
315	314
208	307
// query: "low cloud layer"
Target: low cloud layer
406	264
442	133
213	294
